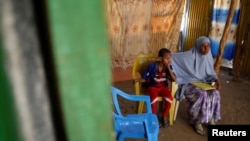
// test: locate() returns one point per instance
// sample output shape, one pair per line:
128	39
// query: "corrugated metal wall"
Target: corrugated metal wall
198	19
199	12
240	36
246	62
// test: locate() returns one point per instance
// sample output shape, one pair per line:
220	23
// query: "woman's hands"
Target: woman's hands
217	85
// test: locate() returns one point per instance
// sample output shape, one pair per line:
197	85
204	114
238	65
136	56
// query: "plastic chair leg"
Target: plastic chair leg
176	109
140	107
153	138
171	113
175	104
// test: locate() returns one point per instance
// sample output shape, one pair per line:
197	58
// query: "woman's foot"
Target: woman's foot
211	122
199	129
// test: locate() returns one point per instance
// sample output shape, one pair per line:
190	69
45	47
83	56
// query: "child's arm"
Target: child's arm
139	78
145	76
171	73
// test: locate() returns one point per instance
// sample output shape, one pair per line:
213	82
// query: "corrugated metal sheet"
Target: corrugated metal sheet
242	27
198	19
246	62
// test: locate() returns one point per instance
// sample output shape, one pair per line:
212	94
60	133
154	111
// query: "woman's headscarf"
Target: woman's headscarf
192	66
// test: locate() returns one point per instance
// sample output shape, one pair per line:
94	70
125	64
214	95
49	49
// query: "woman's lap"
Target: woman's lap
202	105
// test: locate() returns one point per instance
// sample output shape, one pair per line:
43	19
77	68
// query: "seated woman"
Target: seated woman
196	65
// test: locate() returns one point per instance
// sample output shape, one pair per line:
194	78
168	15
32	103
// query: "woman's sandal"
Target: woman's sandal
199	130
211	122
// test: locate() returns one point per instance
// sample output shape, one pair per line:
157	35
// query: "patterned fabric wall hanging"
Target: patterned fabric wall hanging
141	27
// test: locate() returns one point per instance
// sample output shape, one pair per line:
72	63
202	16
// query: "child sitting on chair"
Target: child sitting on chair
155	77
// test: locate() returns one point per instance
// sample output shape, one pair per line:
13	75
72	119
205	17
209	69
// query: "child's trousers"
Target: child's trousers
154	92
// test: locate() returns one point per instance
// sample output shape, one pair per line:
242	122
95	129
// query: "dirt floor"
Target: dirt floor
235	109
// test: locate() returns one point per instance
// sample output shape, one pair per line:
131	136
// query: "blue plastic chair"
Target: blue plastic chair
143	125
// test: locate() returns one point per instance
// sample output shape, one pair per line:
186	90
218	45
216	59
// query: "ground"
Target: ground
235	102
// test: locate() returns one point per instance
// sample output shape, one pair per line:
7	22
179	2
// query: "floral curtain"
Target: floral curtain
140	27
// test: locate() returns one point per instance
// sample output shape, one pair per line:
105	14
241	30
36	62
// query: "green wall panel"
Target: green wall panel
82	59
